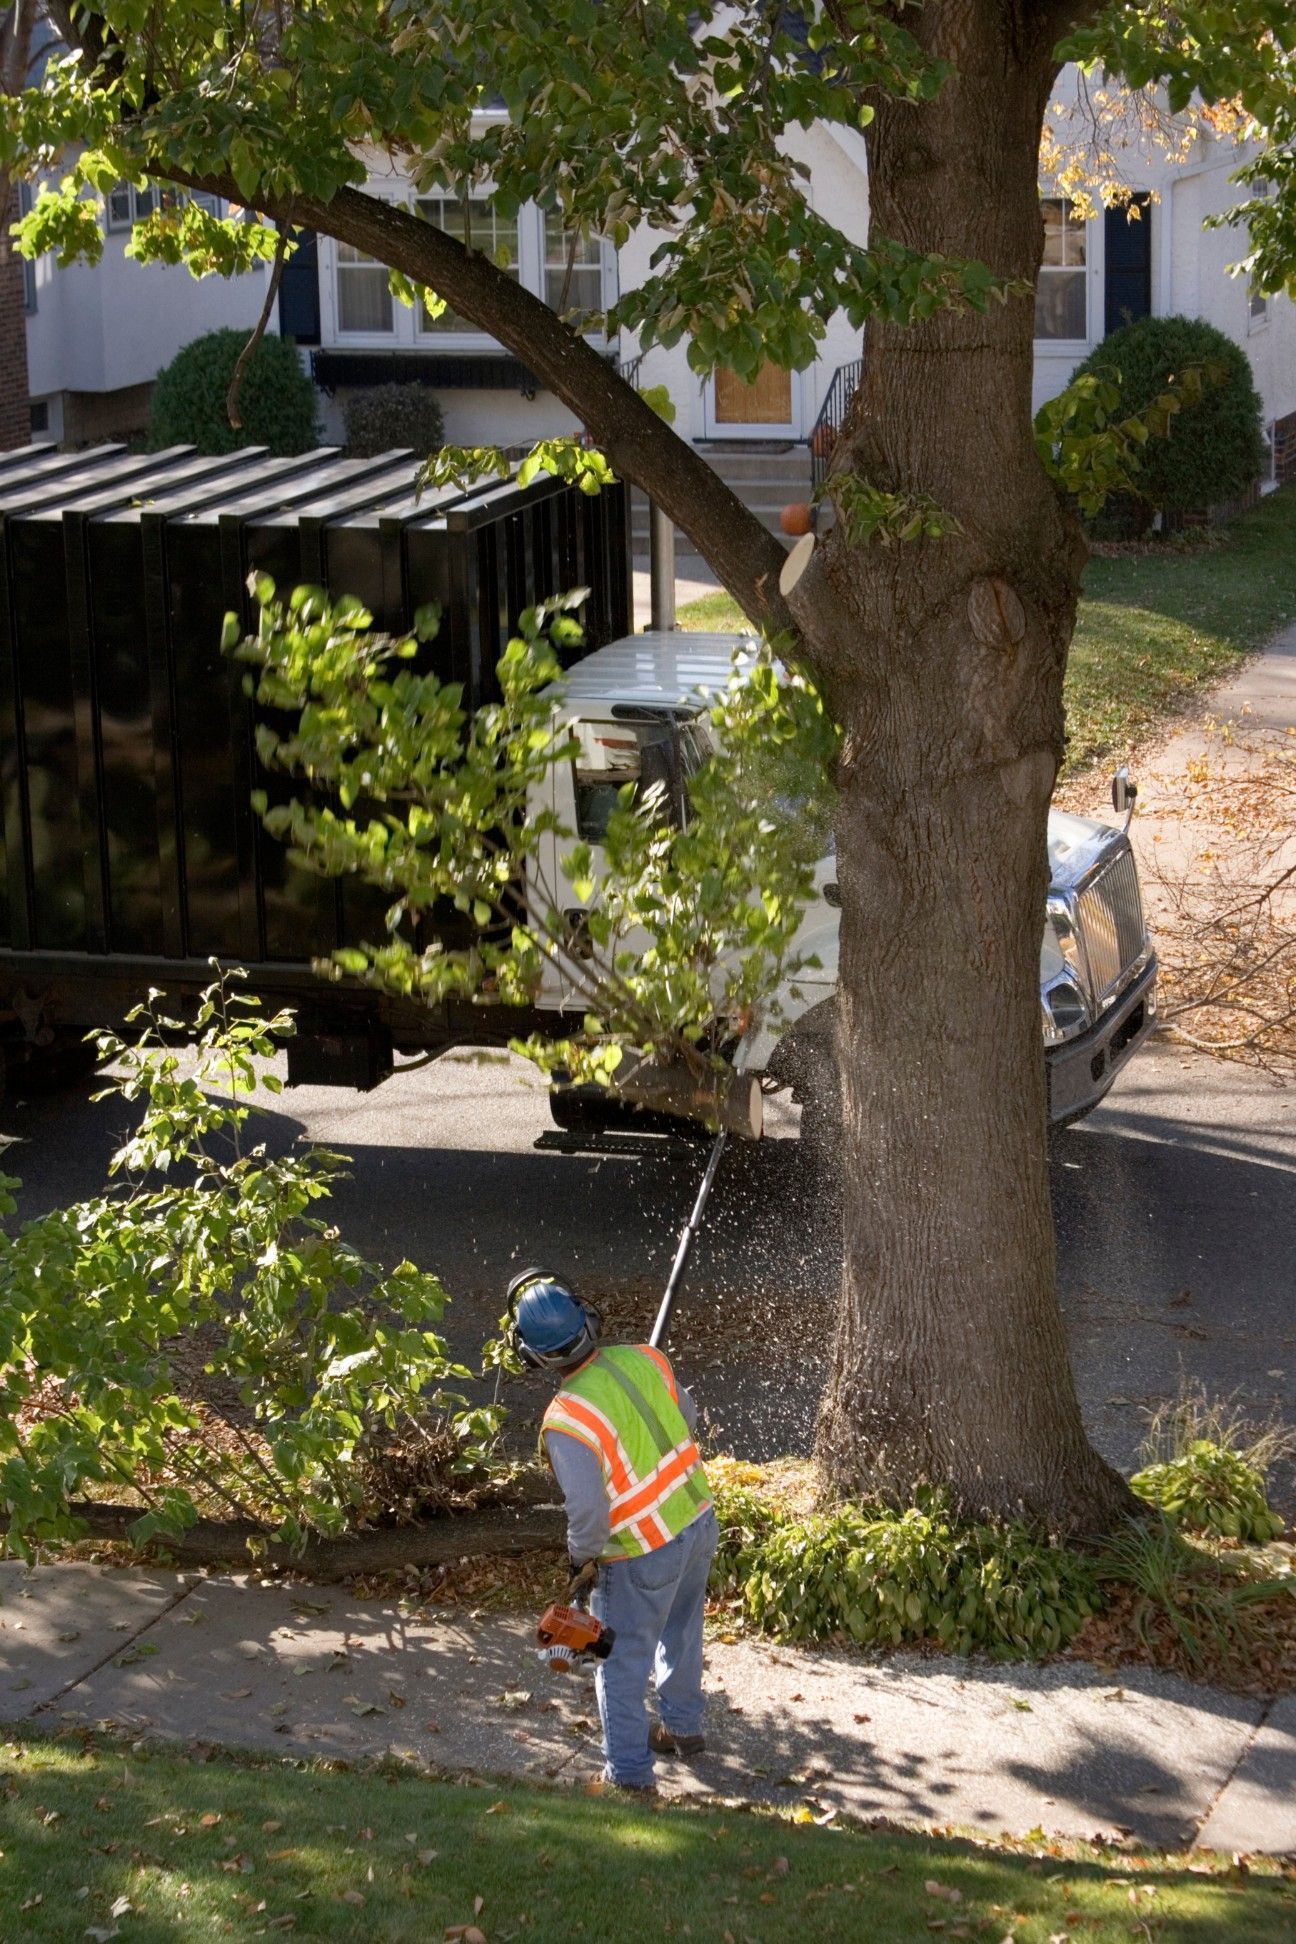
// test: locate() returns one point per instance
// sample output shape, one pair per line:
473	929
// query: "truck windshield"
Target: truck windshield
657	757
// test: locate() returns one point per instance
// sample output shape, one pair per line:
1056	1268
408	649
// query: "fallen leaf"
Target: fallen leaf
780	1866
353	1896
73	1633
271	1827
861	1717
236	1694
515	1698
32	1902
428	1856
1023	1707
945	1890
121	1907
359	1707
209	1819
498	1809
139	1650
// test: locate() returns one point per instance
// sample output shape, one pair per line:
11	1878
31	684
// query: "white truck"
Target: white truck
639	710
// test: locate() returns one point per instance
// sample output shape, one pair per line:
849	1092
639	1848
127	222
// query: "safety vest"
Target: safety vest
624	1405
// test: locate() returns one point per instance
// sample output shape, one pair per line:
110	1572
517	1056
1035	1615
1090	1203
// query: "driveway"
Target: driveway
1175	1207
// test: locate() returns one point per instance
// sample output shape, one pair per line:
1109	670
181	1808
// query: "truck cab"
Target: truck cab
638	712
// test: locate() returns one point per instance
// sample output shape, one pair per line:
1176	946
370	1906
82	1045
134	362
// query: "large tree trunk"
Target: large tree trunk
950	1362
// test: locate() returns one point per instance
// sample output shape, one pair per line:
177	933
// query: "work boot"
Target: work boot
613	1787
663	1742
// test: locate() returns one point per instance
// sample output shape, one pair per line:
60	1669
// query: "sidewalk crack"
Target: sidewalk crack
119	1647
1200	1822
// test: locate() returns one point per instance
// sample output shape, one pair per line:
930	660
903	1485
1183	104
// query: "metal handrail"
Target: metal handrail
826	429
630	369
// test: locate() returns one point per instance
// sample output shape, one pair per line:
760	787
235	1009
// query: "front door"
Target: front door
764	409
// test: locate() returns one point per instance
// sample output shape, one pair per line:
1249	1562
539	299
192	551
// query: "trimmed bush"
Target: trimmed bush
1215	451
383	417
277	401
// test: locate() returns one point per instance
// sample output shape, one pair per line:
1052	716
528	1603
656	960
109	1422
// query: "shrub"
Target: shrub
1205	1462
1215	449
382	418
199	1340
277	401
887	1579
1211	1490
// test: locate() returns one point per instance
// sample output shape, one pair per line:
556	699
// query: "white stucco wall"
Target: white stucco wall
117	323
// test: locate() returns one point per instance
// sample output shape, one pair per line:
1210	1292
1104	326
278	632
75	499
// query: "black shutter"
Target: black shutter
1128	293
299	297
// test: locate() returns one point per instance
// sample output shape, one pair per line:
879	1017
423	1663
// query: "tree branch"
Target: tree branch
639	446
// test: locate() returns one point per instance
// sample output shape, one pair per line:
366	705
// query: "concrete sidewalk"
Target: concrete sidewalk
308	1671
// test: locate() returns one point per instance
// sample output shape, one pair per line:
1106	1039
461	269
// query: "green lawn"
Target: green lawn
1153	628
206	1849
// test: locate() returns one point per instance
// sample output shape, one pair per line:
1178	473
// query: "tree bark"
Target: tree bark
950	1361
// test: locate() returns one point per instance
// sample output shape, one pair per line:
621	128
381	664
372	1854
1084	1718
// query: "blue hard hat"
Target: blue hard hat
551	1326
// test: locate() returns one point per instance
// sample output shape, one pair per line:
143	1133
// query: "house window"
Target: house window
1257	307
129	204
573	271
1062	293
364	302
28	263
471	221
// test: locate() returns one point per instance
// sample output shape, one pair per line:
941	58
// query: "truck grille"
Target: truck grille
1110	911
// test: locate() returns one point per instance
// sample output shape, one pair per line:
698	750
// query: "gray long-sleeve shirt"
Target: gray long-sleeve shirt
580	1475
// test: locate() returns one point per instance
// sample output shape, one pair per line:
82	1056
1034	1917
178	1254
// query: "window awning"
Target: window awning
446	370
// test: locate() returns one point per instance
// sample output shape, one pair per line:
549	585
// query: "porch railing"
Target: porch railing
832	416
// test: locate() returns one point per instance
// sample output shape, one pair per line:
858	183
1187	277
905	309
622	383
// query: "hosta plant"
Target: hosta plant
886	1579
199	1339
1208	1488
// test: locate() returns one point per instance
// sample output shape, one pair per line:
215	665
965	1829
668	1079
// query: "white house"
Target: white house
97	337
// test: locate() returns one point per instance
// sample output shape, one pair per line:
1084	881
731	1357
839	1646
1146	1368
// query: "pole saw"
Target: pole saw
567	1632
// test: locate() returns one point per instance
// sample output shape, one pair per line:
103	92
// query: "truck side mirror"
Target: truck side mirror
1124	791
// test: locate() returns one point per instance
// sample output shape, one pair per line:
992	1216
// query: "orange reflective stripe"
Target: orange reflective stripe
577	1437
658	1484
663	1364
609	1444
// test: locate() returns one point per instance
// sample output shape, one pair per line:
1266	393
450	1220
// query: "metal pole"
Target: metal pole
687	1235
661	568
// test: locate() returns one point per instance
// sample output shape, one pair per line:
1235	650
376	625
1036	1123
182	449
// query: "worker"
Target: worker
619	1436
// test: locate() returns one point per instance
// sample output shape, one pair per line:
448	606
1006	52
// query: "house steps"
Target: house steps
765	478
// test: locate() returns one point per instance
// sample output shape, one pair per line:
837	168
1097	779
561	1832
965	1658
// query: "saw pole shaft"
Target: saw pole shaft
688	1235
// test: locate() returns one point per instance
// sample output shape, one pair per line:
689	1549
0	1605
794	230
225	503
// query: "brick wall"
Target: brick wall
15	411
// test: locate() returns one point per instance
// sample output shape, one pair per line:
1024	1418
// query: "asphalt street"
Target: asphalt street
1175	1206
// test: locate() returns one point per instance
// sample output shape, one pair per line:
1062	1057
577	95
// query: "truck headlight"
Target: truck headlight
1065	1012
1062	920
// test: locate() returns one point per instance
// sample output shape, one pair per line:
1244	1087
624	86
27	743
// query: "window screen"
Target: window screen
474	223
1061	295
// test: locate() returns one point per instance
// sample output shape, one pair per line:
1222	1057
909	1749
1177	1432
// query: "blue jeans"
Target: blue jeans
655	1605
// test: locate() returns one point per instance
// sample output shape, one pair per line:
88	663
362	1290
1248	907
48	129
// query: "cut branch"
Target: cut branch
501	1530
